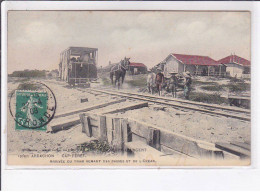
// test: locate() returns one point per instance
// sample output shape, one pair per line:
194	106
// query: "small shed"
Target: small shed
137	68
236	66
195	64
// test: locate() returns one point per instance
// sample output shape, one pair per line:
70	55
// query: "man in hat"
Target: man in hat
187	86
173	82
151	81
159	81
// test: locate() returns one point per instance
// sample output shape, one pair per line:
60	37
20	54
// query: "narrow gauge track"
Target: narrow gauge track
217	110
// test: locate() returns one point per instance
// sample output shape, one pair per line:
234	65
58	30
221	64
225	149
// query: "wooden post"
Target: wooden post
117	139
102	128
96	58
86	127
62	66
197	67
220	70
126	131
208	70
127	136
153	139
149	139
156	140
110	129
82	117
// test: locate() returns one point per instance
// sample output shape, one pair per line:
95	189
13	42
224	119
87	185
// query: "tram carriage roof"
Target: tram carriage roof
79	50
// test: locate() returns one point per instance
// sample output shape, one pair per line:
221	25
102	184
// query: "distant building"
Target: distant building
108	67
52	73
55	73
236	66
195	64
137	68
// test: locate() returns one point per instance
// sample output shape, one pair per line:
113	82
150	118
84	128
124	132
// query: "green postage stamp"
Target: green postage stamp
31	110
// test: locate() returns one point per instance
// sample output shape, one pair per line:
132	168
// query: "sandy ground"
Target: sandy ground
190	123
195	87
220	81
67	99
193	124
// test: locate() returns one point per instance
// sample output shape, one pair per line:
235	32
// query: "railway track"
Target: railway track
216	110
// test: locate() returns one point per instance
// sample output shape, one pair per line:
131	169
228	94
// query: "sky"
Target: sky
36	38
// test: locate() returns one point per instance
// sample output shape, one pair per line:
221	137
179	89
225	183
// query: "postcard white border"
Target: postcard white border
123	176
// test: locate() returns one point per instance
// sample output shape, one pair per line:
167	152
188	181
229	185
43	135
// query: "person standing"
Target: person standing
187	86
173	83
151	81
159	81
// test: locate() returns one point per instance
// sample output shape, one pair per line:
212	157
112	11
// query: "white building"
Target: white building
236	66
195	64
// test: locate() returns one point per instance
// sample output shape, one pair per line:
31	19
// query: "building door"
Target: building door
135	71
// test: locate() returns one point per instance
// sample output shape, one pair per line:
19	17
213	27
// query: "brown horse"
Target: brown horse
119	71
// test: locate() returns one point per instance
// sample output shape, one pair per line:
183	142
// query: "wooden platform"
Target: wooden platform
239	149
239	97
132	106
239	101
121	132
89	108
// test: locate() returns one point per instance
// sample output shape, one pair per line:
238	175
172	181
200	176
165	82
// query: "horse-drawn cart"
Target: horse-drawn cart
78	65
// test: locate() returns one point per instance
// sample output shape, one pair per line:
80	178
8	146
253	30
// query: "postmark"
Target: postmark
33	109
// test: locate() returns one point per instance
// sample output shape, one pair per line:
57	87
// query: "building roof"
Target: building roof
235	59
137	64
195	60
79	50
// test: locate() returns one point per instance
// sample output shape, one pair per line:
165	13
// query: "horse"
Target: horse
119	71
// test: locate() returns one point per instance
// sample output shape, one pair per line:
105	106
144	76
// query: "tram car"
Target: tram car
78	65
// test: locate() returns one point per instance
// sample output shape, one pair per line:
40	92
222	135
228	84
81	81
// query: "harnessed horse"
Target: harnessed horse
119	71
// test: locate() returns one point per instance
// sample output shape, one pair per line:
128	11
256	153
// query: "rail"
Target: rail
241	114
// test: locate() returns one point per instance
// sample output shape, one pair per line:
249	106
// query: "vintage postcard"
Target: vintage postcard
128	88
